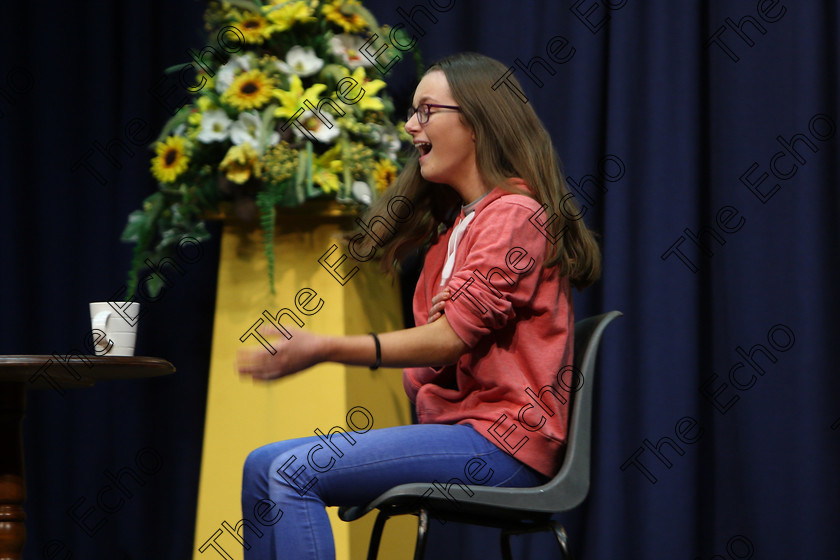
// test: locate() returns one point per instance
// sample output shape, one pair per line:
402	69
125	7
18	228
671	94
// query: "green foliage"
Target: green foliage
157	230
267	202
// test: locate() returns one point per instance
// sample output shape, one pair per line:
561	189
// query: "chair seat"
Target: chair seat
441	509
487	501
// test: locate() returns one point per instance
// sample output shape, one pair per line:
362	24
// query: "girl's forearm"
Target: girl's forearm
434	344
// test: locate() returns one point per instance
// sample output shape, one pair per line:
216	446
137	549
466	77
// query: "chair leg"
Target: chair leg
504	539
376	535
562	539
422	534
556	528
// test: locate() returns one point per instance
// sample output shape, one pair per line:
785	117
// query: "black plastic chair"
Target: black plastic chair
513	510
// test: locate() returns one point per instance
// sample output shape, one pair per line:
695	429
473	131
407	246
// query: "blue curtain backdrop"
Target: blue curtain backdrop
700	136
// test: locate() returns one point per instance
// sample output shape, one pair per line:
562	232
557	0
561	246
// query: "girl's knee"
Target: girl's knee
291	474
257	463
281	468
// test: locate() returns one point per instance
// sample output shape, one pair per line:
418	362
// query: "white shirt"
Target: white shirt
455	238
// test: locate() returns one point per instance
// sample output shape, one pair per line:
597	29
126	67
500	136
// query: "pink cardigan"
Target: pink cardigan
516	317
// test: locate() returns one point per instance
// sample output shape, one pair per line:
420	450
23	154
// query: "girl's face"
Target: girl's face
446	144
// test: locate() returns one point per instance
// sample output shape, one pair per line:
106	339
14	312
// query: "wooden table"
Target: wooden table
56	373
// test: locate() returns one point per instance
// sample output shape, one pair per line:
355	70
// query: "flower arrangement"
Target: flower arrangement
295	114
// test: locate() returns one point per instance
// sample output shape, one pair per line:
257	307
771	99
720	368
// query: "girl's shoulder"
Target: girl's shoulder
501	201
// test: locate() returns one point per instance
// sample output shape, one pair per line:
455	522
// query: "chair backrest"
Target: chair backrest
571	484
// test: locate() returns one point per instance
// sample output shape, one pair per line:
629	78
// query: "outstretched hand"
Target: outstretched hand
300	352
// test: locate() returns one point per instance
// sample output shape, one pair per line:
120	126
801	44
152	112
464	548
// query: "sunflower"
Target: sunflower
254	27
249	90
350	22
171	160
384	173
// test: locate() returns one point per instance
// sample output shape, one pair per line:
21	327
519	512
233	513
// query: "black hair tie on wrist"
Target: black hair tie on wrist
378	352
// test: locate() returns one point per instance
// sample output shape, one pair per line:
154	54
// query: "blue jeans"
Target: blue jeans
286	485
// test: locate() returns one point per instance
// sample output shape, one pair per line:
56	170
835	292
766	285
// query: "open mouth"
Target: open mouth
424	148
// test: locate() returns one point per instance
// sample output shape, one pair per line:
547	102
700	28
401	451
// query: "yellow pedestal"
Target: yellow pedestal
243	415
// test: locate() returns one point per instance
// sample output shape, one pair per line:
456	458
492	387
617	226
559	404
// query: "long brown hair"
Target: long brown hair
510	141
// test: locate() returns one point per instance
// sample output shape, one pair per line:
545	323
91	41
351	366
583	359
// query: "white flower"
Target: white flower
348	47
391	144
248	128
361	192
301	61
215	126
316	128
227	73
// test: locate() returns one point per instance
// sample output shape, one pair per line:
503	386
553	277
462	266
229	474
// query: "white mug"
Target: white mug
118	320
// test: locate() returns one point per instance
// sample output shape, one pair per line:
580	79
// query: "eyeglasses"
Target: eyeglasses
424	111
